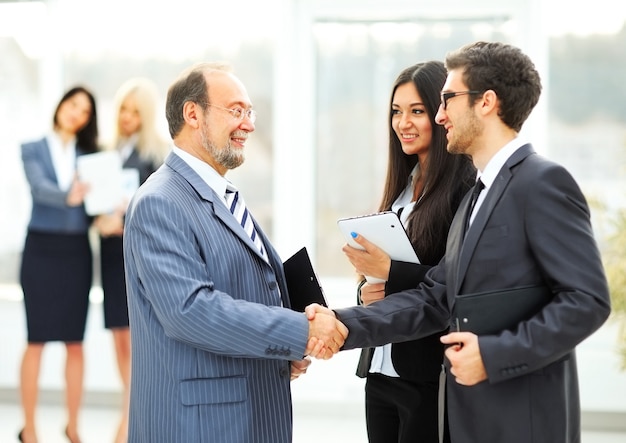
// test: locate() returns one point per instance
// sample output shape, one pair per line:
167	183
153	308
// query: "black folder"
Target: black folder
488	313
302	283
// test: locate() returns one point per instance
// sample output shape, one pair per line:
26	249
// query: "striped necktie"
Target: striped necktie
237	207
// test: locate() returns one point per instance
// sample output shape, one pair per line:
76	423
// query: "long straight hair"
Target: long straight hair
447	177
150	145
87	136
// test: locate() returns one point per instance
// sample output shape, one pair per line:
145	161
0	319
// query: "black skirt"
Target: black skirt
56	277
113	282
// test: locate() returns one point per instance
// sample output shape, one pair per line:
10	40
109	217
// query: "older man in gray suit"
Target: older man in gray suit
214	344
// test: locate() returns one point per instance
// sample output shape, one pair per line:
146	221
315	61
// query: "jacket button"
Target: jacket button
273	285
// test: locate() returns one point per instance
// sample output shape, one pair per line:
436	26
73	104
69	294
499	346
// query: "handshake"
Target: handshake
326	334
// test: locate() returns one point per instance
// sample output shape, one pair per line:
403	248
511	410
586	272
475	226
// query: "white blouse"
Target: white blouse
381	359
63	160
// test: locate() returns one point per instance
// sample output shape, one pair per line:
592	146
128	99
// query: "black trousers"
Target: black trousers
402	411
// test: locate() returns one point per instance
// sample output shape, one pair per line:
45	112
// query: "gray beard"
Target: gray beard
227	156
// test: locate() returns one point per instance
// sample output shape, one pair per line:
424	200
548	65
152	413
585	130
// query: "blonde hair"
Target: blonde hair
150	145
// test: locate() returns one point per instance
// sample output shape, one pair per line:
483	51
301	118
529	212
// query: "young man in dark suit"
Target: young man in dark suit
529	228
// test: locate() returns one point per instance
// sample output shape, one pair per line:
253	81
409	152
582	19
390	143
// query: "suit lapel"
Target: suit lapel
133	160
466	247
218	207
455	243
277	265
47	160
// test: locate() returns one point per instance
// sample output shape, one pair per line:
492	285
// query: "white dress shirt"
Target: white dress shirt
488	176
206	172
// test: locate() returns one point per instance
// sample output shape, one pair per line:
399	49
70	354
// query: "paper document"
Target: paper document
103	172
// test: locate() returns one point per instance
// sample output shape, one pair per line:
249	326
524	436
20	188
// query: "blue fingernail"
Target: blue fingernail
354	234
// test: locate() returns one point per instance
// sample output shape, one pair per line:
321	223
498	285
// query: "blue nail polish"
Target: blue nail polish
354	234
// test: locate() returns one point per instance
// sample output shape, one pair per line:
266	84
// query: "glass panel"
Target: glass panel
357	64
33	79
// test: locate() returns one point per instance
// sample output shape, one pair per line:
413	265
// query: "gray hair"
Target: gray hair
191	86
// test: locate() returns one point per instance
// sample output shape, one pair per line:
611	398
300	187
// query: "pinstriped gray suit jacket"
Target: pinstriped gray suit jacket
211	344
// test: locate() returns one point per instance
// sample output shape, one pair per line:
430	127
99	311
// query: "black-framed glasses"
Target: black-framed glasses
445	96
238	113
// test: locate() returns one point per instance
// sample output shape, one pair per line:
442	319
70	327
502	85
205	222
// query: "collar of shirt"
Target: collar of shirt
206	172
404	203
488	176
127	145
63	159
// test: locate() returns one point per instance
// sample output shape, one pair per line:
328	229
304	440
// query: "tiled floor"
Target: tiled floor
327	426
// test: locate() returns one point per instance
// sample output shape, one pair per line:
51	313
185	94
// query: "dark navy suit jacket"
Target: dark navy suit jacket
532	229
50	212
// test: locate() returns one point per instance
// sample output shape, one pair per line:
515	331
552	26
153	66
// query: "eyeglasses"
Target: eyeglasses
445	96
238	113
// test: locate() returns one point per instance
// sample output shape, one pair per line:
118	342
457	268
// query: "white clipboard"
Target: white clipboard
110	186
103	172
385	230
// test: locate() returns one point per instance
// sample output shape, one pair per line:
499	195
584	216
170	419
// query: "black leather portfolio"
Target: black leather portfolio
302	283
487	313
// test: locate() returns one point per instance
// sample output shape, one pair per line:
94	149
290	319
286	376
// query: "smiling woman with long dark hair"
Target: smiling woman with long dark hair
424	186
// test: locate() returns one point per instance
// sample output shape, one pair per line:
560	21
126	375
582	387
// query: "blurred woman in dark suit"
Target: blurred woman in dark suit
141	149
56	268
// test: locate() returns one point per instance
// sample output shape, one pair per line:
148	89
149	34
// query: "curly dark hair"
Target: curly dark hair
504	69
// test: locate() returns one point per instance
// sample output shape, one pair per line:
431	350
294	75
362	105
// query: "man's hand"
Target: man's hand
373	261
326	333
464	355
315	308
299	367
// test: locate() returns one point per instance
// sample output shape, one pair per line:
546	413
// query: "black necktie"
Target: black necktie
478	187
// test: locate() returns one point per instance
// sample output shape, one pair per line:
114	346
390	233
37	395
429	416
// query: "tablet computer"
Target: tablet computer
385	230
302	283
